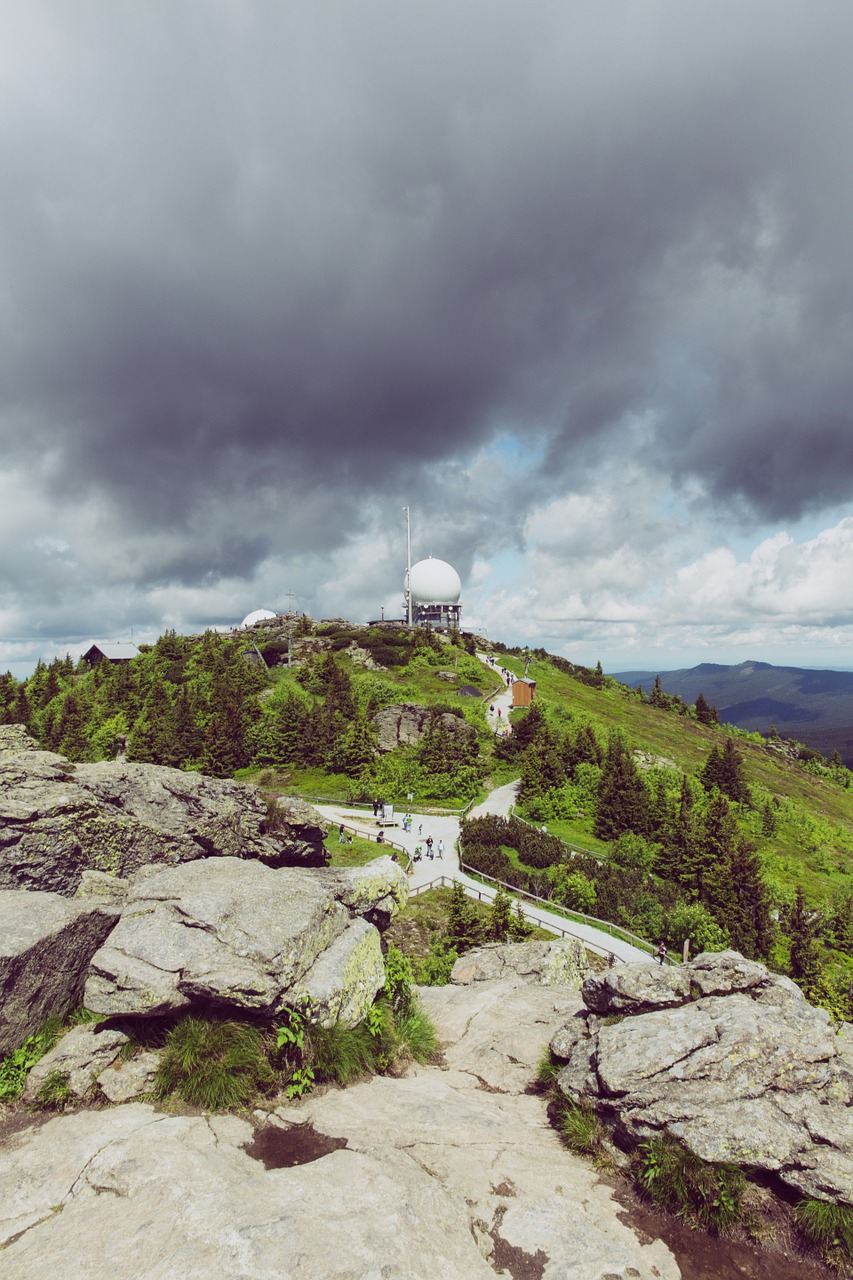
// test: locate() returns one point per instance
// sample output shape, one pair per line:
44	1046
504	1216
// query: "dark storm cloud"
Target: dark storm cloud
264	264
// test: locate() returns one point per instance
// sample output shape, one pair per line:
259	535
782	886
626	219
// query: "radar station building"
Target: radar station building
433	588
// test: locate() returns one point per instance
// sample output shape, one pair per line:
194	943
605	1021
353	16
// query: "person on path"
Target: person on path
500	713
661	952
441	849
429	846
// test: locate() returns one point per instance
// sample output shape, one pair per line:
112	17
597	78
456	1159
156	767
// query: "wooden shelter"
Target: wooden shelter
523	691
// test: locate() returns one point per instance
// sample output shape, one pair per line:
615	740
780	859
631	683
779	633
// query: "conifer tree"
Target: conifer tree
657	697
802	925
623	802
703	711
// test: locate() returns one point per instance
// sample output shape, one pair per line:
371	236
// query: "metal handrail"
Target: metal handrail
546	904
471	892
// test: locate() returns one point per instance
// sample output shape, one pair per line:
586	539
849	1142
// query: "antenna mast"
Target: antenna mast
408	566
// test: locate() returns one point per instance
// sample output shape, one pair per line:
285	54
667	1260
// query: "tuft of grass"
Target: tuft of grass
581	1128
828	1226
341	1054
416	1036
217	1065
547	1071
708	1195
15	1067
54	1092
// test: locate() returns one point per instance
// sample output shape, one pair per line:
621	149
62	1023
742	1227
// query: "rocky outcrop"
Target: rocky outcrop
551	964
299	831
240	935
79	1057
91	1062
725	1056
404	724
449	1172
58	819
46	943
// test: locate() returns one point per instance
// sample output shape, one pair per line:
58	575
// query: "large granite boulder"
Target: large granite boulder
731	1060
404	724
562	963
46	943
240	935
59	819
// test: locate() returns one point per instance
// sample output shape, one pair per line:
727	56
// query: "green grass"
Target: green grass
416	1036
357	854
829	1226
218	1065
54	1092
581	1128
708	1195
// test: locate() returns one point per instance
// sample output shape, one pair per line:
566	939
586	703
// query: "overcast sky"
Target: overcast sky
572	280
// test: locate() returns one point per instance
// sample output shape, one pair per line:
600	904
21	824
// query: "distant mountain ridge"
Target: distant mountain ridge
815	707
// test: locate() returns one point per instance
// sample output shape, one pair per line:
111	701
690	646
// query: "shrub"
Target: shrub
215	1064
435	969
710	1195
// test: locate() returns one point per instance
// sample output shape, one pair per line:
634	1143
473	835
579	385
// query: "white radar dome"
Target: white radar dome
259	615
435	582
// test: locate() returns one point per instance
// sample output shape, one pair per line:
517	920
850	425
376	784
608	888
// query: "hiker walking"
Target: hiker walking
429	847
341	834
441	849
661	952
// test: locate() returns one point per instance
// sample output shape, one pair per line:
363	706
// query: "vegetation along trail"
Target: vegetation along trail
427	870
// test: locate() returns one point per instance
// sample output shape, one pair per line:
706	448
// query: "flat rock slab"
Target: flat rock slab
111	1207
442	1175
534	1208
46	944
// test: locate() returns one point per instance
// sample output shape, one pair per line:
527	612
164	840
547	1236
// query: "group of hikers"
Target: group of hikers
431	849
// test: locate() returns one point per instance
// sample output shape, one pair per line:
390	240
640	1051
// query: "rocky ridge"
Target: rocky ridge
450	1171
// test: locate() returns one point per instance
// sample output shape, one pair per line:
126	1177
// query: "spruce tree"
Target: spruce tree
803	927
623	802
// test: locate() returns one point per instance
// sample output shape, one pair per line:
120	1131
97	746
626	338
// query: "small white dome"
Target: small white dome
259	615
434	582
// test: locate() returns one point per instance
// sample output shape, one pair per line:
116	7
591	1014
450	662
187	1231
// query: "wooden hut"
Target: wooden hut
523	692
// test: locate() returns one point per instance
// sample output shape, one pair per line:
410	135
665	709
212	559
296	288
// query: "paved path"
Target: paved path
499	803
447	829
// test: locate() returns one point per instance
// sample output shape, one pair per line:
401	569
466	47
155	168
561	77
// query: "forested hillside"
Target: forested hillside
677	827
